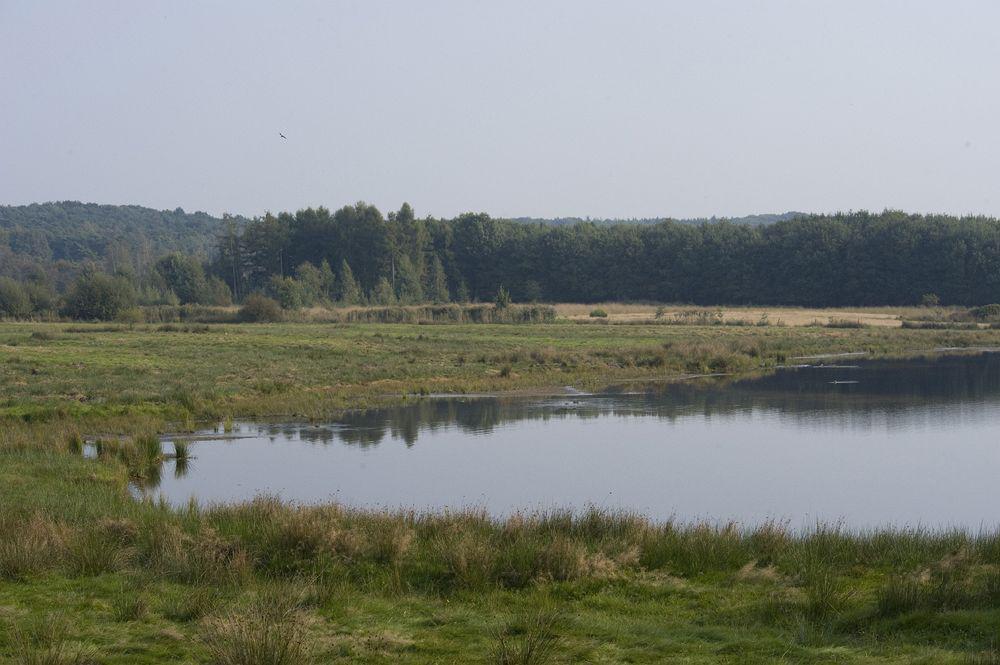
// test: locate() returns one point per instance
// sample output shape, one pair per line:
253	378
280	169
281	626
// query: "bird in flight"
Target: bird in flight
282	136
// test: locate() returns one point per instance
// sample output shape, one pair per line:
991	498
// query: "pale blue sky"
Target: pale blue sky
514	108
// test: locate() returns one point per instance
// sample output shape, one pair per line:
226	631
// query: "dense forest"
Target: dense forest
890	258
73	231
126	254
89	261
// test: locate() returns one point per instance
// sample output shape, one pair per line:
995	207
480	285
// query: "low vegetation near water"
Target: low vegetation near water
88	574
187	372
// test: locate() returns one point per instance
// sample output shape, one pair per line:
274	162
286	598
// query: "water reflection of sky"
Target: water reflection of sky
911	442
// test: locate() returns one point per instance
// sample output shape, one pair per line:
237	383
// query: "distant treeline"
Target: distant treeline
86	261
753	220
358	255
74	231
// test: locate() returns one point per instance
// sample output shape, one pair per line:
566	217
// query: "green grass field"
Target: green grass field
87	574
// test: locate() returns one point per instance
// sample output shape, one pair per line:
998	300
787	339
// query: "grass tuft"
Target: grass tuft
532	640
44	640
128	604
190	603
267	631
182	450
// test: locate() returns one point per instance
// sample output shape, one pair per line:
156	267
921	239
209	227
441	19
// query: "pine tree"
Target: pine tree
462	295
383	295
350	292
437	282
409	289
328	281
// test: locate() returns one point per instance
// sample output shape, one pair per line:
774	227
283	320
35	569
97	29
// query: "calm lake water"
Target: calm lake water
869	443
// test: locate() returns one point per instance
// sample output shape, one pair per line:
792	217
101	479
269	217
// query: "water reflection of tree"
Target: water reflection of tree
885	390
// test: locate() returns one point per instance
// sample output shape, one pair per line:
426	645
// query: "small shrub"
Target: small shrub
259	308
287	291
930	300
699	317
598	314
99	296
985	312
14	300
845	323
130	317
503	299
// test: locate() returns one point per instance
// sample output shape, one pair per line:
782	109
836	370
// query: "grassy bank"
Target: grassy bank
87	574
182	372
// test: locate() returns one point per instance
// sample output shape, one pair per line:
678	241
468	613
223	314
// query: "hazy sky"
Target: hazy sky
539	108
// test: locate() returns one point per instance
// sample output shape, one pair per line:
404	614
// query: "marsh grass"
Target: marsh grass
940	325
282	562
826	594
128	602
149	447
845	323
529	640
266	630
74	443
44	640
196	555
453	313
182	450
190	603
26	548
170	327
142	456
955	583
91	551
990	656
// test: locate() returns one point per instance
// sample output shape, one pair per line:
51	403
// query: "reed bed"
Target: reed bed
444	553
247	577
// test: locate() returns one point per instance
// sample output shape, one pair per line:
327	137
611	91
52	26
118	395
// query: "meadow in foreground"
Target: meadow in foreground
88	574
